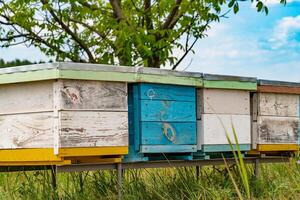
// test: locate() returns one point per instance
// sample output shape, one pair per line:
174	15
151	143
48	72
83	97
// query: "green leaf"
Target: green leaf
259	6
266	10
231	3
236	8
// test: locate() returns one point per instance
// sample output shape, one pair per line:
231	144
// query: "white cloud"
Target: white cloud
224	52
272	2
286	33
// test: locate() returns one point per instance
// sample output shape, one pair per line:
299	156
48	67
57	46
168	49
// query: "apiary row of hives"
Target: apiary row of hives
68	113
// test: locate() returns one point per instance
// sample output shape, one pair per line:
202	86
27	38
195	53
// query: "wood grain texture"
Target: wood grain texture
76	94
285	105
254	135
168	111
211	131
167	92
26	131
157	133
217	101
278	89
254	106
93	129
26	97
277	130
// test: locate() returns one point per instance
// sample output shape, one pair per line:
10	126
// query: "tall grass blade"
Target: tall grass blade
232	180
238	157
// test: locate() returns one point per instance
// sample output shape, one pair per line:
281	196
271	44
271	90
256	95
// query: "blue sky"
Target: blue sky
252	44
247	44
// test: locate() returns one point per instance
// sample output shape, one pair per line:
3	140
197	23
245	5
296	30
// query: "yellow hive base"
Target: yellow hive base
273	148
277	147
93	151
45	156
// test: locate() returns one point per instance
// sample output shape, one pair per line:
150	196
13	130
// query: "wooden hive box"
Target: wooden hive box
63	113
162	117
223	102
275	116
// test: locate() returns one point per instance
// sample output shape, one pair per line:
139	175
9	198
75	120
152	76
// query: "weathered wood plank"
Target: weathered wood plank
172	111
26	97
26	131
235	85
167	92
93	129
76	94
284	105
278	89
218	77
277	130
217	101
278	83
254	106
254	135
157	133
211	131
168	149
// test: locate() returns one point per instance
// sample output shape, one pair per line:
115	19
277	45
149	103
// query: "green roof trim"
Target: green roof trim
97	72
29	76
236	85
97	76
167	79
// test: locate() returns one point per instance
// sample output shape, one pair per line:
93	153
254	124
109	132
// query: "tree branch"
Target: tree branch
102	35
13	37
71	33
185	54
116	5
170	20
147	9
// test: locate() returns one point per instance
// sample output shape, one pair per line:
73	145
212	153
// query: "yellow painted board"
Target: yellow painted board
277	147
35	163
47	154
94	159
253	152
93	151
29	155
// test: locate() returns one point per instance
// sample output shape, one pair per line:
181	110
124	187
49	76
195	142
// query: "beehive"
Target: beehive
223	104
163	117
63	113
275	117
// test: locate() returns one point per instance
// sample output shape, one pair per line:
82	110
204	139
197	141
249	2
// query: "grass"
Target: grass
278	181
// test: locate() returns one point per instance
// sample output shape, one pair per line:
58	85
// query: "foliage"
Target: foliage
17	62
140	32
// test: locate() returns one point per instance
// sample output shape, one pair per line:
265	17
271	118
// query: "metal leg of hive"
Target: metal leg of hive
53	178
256	168
119	179
198	172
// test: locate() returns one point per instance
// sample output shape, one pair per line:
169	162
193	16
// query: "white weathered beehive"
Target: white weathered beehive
51	113
275	116
222	103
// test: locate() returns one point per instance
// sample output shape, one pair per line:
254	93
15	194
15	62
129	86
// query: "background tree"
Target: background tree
17	62
124	32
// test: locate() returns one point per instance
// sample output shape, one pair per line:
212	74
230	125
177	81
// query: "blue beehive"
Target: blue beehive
162	122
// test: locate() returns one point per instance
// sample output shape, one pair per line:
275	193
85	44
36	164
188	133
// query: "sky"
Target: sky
246	44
